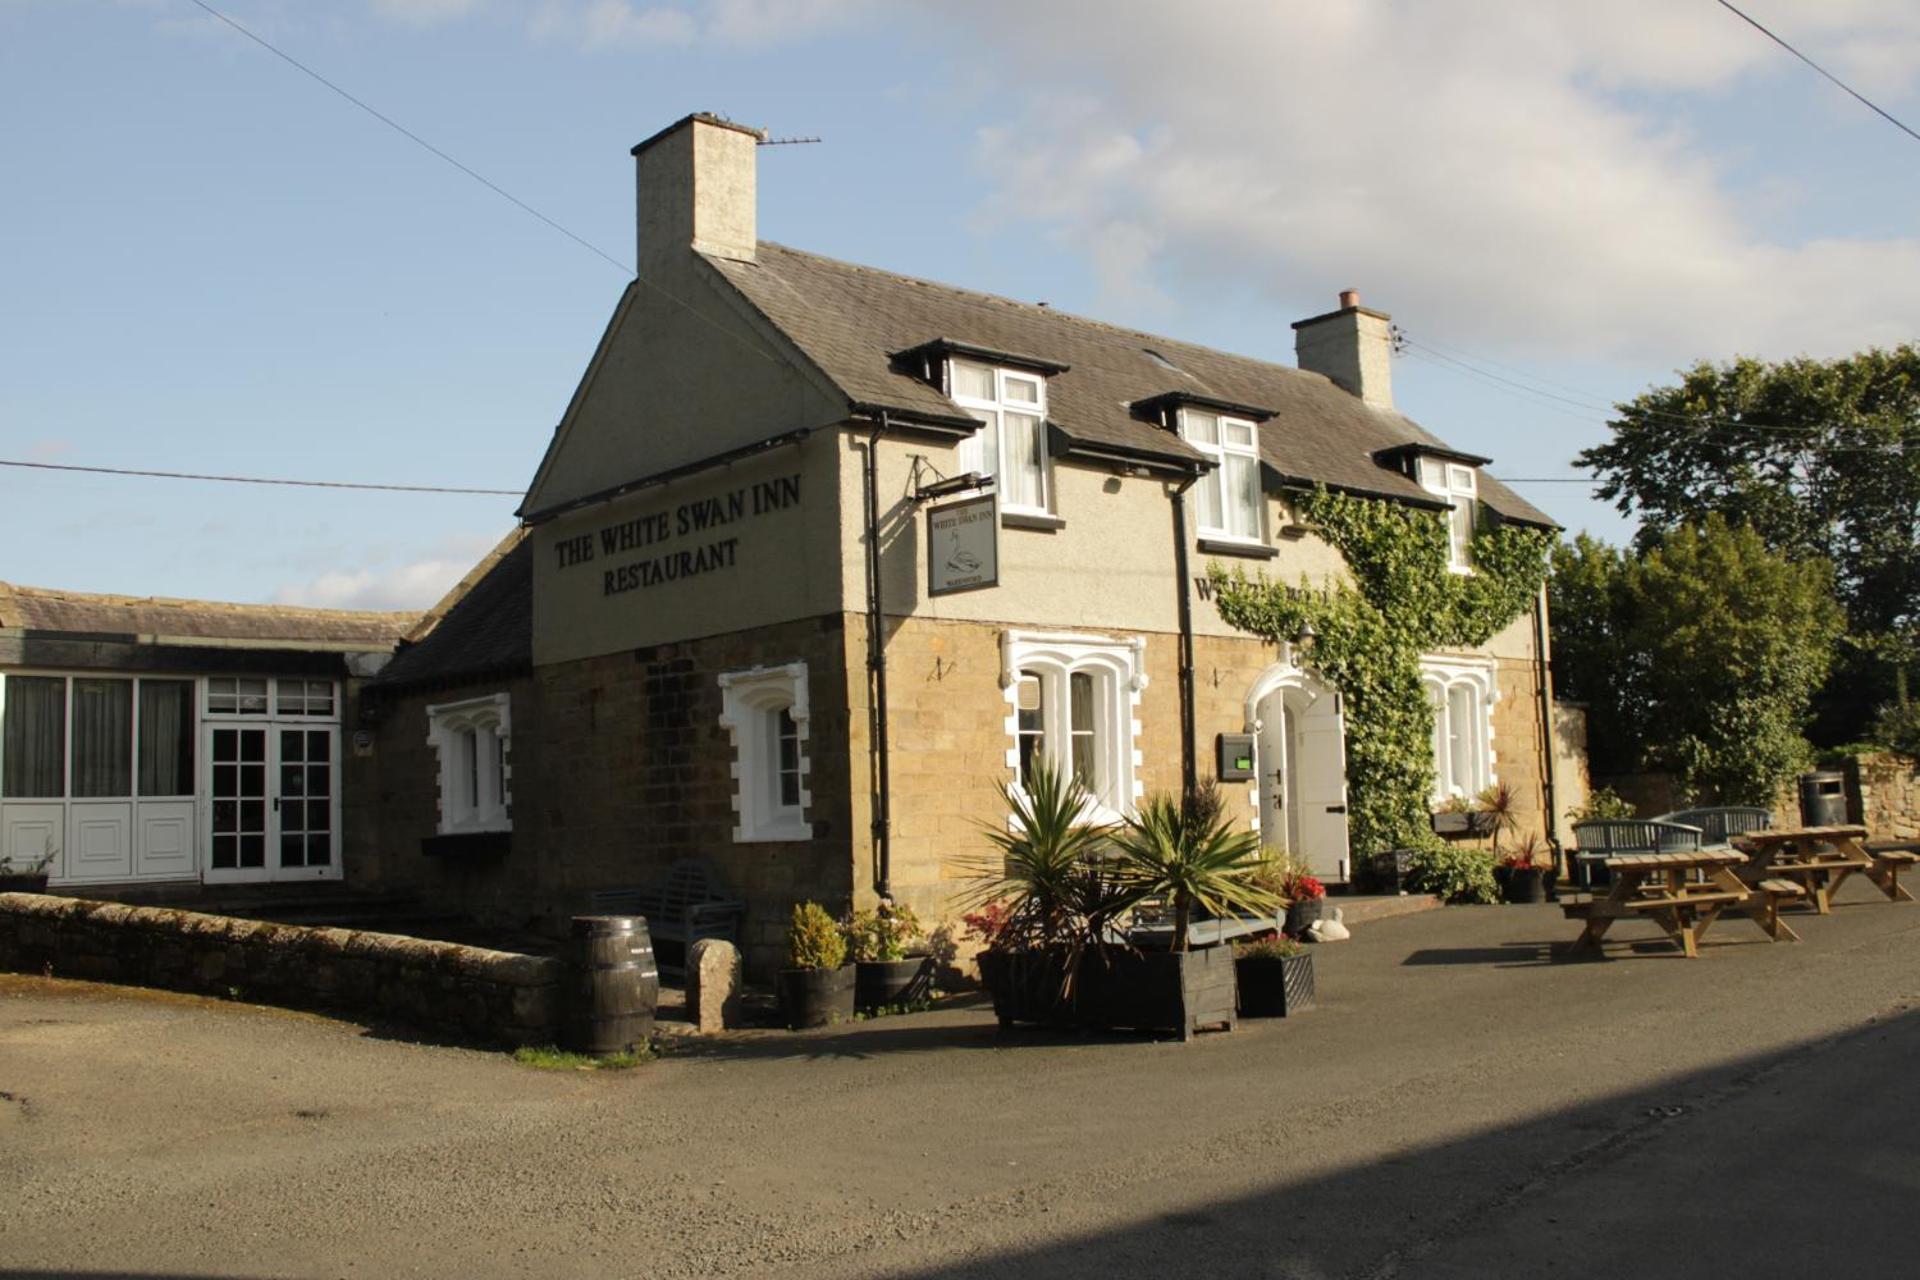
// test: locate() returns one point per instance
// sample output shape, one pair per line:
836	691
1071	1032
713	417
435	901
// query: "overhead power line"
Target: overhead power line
496	188
302	484
1848	89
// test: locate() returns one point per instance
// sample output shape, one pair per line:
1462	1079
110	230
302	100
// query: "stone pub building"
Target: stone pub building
764	610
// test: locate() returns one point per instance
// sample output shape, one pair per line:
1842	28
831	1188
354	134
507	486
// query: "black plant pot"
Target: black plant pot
1302	913
891	984
36	883
816	997
1275	986
1522	885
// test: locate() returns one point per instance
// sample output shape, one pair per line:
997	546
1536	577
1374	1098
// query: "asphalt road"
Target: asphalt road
1457	1106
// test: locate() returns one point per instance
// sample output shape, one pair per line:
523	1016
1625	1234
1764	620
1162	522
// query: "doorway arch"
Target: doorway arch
1300	765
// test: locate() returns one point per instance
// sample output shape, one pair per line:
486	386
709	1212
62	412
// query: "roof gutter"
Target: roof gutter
658	478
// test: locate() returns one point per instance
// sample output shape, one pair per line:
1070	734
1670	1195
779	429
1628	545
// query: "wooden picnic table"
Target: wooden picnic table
1821	859
1655	886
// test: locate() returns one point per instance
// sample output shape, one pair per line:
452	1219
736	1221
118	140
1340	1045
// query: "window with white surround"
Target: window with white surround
1227	498
1462	692
1071	704
471	740
764	711
1459	485
1011	444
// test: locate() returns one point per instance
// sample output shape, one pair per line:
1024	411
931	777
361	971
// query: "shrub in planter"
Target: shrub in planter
816	987
25	875
1453	874
1275	976
892	966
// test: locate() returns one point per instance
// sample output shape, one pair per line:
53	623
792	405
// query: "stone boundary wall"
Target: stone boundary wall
433	987
1884	790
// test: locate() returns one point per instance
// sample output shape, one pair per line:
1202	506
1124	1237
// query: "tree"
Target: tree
1699	656
1821	458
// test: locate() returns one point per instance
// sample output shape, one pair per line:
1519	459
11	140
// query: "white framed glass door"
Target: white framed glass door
304	801
239	816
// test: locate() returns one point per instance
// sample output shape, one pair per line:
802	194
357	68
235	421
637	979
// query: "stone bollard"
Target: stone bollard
713	985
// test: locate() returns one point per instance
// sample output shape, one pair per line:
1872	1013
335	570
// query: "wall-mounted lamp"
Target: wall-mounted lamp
1303	638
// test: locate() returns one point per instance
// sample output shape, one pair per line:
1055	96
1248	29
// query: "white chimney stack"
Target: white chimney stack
1353	346
696	191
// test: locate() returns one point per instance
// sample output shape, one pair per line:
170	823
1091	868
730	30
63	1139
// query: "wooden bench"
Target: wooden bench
1889	860
1720	823
688	903
1608	838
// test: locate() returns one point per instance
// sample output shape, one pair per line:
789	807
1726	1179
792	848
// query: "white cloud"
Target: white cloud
416	584
425	13
1499	168
597	25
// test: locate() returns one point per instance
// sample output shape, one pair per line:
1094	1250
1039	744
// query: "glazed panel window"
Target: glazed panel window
1072	705
472	740
1011	444
1227	498
1461	693
765	712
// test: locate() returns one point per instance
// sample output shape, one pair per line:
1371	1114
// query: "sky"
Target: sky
211	263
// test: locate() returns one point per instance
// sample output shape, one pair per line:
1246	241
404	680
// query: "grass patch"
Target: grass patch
547	1058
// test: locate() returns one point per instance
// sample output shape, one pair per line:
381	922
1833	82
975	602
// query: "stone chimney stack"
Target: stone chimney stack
696	191
1353	346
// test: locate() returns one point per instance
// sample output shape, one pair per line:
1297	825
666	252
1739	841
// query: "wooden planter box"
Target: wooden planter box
1461	826
1179	991
1275	986
1026	986
1116	987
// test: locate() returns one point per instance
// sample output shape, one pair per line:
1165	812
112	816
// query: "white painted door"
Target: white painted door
239	819
1272	751
1319	743
304	803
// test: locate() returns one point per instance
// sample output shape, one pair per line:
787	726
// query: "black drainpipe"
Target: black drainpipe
877	673
1189	778
1545	684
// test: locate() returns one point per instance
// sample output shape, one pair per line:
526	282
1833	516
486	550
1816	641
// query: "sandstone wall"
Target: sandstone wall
434	987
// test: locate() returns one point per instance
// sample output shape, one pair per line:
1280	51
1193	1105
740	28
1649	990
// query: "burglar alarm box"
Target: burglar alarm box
1236	758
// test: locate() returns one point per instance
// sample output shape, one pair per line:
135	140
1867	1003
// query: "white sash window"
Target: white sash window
1227	499
1011	444
765	712
1072	701
472	739
1462	692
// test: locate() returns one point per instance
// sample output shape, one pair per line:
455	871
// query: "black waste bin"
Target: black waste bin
1823	799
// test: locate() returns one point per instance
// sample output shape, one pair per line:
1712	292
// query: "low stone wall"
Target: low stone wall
382	978
1884	789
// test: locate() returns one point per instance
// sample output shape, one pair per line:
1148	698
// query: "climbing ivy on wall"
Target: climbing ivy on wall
1404	601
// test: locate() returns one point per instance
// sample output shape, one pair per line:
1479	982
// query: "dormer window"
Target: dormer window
1459	485
1227	501
1011	445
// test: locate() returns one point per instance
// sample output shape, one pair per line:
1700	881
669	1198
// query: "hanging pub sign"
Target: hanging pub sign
963	546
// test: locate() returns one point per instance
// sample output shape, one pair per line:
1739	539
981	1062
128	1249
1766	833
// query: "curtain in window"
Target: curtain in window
1240	475
1460	724
166	738
102	738
34	740
1022	475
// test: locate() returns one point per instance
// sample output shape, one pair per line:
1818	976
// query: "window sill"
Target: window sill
468	845
1249	550
786	833
1031	520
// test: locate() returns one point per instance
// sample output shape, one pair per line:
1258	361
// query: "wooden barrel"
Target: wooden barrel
613	985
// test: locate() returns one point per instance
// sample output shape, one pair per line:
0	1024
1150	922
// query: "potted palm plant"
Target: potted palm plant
891	964
1044	898
1275	976
1187	854
816	987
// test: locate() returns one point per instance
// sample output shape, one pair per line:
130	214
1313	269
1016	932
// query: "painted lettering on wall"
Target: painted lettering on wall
656	532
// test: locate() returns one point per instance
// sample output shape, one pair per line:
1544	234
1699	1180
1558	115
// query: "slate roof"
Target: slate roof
160	620
850	320
481	629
